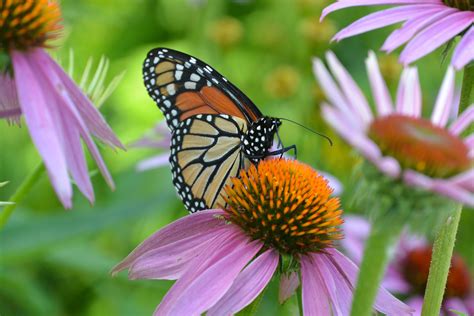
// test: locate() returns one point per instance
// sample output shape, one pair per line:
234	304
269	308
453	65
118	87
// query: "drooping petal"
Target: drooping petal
192	225
464	52
384	302
351	90
91	116
443	187
380	91
436	35
334	94
383	18
341	4
201	287
289	283
444	101
402	35
463	121
248	285
356	230
314	295
153	162
41	124
416	303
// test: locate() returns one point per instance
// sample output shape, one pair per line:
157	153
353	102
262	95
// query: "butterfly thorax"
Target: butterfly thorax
258	139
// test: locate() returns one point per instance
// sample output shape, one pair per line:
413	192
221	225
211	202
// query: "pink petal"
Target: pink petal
409	93
416	303
445	100
456	304
153	162
436	35
91	116
200	288
378	86
384	302
465	180
356	230
9	103
40	121
341	4
191	225
463	121
334	94
314	295
72	117
383	18
289	283
350	89
411	27
464	52
248	284
172	260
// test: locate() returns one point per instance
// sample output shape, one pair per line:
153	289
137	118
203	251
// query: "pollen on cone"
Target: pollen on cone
285	204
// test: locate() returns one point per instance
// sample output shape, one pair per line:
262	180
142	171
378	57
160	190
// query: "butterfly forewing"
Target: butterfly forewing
184	86
205	154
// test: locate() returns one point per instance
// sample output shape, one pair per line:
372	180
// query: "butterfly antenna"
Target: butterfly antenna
308	129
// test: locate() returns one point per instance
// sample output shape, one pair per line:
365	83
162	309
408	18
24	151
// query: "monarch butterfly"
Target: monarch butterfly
216	129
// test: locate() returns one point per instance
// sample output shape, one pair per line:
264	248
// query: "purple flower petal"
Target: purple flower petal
436	35
314	295
380	91
352	92
465	180
201	287
341	4
91	116
409	93
334	94
384	18
356	230
289	283
417	304
464	52
9	104
248	285
445	100
411	27
384	302
456	304
42	125
153	162
463	121
192	225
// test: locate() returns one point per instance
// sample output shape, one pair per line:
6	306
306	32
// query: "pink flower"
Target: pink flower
407	272
429	154
222	259
158	138
428	24
57	114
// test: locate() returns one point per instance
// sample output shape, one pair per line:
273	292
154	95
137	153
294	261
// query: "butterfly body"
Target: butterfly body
215	129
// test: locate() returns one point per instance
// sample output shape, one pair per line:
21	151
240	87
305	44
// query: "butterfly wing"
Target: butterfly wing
184	86
205	154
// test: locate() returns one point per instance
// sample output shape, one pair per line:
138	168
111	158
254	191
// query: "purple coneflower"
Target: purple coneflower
222	259
425	153
57	114
407	273
428	24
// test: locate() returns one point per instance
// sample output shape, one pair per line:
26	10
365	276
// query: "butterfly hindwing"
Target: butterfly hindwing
184	86
205	153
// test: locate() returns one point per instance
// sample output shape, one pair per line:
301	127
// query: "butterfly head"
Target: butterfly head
259	137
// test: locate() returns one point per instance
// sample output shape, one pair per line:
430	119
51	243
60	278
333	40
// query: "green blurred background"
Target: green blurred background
56	262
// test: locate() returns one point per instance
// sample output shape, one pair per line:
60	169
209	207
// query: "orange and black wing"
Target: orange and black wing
184	86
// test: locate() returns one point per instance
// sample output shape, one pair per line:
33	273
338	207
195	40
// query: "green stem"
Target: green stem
299	296
20	193
467	88
373	266
440	263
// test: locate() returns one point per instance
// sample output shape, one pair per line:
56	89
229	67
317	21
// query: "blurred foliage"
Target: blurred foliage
54	262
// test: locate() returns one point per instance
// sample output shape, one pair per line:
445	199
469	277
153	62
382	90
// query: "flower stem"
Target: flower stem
299	296
440	263
20	193
373	267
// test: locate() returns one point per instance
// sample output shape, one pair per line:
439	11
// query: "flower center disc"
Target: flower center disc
286	205
416	265
28	23
463	5
418	144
